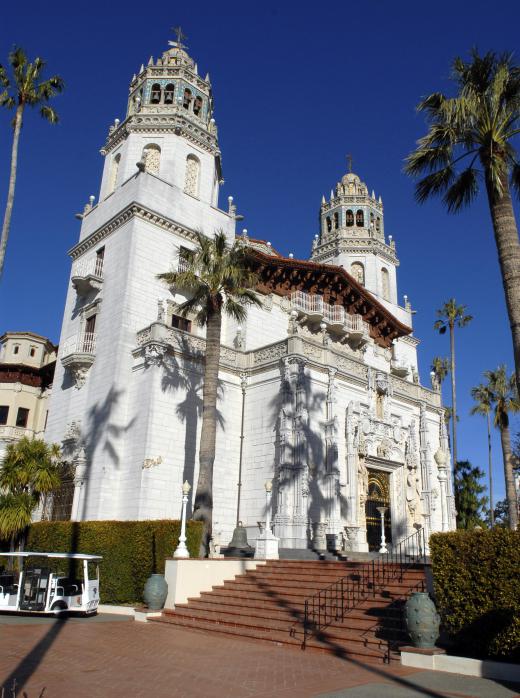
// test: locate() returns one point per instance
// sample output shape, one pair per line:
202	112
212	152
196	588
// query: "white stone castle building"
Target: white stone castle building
320	388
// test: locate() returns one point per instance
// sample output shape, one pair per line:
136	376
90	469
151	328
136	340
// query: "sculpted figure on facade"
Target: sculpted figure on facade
413	488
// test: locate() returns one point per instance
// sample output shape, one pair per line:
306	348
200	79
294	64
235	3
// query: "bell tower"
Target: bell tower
168	131
352	235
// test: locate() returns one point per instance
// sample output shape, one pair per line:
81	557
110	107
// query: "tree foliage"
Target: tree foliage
469	500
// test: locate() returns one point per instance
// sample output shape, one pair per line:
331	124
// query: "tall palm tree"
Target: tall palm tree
504	399
23	89
450	316
479	123
31	468
215	279
483	399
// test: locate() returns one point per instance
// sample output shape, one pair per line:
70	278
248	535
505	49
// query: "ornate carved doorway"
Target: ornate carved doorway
378	496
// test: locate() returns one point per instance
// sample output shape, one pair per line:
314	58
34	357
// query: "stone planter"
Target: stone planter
422	620
155	592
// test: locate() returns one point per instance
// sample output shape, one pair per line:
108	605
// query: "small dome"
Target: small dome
350	178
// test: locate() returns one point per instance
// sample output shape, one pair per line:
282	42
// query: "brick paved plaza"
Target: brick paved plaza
115	657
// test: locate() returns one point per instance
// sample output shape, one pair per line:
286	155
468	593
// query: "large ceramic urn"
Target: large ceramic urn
422	620
155	592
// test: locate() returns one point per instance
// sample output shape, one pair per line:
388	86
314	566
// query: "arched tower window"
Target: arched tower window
155	95
186	101
360	218
169	93
385	284
114	169
329	224
371	220
349	218
191	184
336	219
152	158
197	106
358	272
378	224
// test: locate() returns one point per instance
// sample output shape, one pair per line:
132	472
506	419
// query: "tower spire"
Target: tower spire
349	162
180	37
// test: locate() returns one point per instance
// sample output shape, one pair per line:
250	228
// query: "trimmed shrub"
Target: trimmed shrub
131	550
476	582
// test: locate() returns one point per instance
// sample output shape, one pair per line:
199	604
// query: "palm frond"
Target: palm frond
515	178
49	114
434	184
462	191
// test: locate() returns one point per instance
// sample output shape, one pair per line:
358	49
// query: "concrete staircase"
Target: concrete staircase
268	604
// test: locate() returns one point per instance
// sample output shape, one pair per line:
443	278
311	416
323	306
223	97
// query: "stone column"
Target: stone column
80	485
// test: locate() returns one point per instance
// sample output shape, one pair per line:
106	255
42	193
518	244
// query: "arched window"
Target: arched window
329	224
191	184
358	272
155	96
197	106
378	224
152	158
169	92
385	284
349	218
186	101
336	219
114	169
360	218
371	220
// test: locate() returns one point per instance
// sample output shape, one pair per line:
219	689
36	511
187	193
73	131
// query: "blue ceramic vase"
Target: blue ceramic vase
155	592
422	620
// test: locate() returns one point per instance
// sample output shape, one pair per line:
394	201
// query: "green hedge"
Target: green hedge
131	550
477	588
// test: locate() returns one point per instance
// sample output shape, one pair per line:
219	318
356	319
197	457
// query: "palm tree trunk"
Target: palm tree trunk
491	510
505	438
453	395
203	507
508	246
12	183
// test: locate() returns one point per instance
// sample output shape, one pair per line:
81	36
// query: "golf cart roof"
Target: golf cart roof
63	556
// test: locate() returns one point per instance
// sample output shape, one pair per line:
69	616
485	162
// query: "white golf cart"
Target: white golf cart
36	589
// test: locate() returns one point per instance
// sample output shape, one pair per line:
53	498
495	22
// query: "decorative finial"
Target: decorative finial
180	37
291	256
349	162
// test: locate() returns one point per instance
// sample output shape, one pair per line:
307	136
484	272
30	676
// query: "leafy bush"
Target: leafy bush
475	576
131	550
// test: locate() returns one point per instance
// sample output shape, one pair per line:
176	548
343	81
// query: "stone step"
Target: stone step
306	591
318	583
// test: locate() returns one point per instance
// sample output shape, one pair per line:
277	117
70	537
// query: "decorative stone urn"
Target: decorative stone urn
155	592
422	620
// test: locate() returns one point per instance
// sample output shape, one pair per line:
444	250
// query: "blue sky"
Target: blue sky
297	86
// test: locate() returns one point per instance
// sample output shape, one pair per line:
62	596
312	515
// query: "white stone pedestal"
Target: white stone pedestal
266	547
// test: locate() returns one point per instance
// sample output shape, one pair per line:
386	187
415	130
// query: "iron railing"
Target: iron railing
332	603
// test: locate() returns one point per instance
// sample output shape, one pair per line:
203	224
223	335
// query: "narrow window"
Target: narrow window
349	218
183	263
191	183
385	284
329	224
100	256
89	337
152	158
336	220
371	220
16	349
197	106
360	218
22	417
114	169
155	96
181	323
169	93
32	351
4	413
186	99
378	224
358	272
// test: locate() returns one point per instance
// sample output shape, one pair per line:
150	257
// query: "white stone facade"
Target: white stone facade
325	406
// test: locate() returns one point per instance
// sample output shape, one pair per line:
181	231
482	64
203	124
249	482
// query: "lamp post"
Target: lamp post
382	511
181	550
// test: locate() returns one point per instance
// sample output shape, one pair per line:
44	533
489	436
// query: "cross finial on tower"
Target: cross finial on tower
180	37
349	162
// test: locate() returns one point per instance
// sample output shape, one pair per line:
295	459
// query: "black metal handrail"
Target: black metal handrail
332	603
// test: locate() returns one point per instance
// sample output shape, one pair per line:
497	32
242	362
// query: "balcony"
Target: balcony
399	368
14	433
87	275
314	309
77	354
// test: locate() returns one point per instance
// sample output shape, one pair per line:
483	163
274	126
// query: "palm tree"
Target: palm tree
504	399
479	123
23	89
215	279
450	316
483	399
31	468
